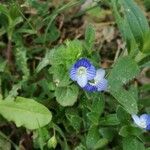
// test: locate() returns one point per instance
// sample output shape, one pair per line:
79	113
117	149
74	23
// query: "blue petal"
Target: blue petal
82	62
146	118
90	88
102	85
148	123
100	73
73	74
82	80
148	127
91	72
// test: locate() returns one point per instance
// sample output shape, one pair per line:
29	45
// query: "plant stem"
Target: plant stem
9	52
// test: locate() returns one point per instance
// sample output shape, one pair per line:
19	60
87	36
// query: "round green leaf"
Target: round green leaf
66	96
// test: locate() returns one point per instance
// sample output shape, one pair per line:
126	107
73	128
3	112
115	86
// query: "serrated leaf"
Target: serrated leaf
124	70
43	63
25	112
60	75
126	99
21	61
89	37
14	91
67	96
66	54
73	51
56	56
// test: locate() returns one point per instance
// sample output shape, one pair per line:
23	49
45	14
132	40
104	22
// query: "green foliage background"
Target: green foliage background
40	107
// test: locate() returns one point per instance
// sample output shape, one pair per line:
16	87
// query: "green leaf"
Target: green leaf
107	133
100	144
126	99
60	79
67	96
96	109
129	130
43	63
146	46
73	51
40	137
93	117
124	28
138	14
74	119
131	143
133	25
80	147
124	70
56	56
58	129
136	20
66	54
146	64
25	112
109	120
14	91
123	116
52	142
4	10
98	104
2	65
92	137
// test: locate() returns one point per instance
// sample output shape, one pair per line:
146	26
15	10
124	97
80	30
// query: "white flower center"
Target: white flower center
94	82
81	71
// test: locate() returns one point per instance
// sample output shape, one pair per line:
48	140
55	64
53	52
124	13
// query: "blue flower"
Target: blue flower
99	83
82	71
143	121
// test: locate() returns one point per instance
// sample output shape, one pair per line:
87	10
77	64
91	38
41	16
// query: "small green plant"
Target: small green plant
57	93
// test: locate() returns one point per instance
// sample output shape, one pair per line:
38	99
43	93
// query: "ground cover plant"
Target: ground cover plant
74	75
